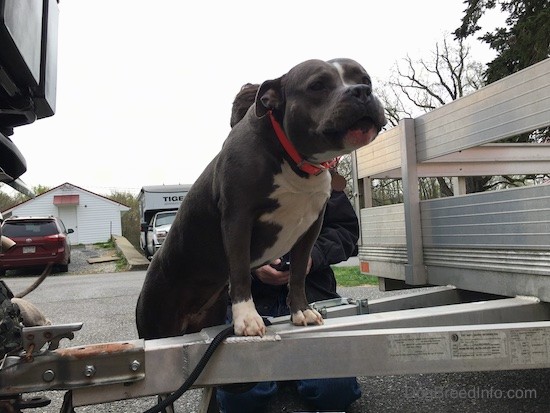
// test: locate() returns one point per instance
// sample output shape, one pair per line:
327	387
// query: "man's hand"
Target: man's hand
269	275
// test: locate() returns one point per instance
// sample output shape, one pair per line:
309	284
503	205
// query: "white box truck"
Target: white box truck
158	205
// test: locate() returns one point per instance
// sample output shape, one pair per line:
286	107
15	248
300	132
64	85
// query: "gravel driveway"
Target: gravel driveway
80	255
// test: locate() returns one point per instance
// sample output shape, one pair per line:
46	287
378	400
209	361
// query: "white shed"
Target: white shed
94	218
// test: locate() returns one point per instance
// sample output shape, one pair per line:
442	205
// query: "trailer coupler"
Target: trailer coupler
34	342
42	365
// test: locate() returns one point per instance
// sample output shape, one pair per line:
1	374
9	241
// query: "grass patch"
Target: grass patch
122	263
106	245
352	277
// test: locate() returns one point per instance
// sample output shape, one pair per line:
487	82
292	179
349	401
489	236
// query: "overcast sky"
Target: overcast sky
145	88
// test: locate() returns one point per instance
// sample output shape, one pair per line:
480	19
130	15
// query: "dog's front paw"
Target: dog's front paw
308	316
246	320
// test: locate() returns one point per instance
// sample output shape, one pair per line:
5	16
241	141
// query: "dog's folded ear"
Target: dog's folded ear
269	97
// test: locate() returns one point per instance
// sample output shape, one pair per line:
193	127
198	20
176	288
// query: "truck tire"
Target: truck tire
150	253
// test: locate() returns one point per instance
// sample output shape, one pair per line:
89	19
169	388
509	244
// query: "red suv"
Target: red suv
38	242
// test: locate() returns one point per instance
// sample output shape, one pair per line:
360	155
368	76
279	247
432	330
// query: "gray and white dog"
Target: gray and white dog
263	195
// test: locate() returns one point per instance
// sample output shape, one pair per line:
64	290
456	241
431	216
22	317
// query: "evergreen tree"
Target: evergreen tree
524	42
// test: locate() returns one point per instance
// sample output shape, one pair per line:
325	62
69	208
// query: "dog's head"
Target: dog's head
327	109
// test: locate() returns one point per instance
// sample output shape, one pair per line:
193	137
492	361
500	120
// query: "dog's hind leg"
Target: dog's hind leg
157	309
213	313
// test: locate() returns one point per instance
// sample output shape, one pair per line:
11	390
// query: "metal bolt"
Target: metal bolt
135	365
89	371
48	375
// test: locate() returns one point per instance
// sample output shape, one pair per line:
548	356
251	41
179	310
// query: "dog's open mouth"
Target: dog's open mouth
365	124
361	133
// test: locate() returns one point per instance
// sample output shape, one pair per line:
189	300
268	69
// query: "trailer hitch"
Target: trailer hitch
43	338
34	342
40	365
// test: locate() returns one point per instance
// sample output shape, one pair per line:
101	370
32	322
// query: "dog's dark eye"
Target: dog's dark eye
366	80
317	86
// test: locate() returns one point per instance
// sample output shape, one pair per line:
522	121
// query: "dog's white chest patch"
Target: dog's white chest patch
300	203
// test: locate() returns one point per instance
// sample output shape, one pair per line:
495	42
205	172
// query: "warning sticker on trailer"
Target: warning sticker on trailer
530	346
448	346
478	344
409	347
525	346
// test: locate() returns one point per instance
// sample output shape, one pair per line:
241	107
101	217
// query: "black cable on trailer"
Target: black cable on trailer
222	335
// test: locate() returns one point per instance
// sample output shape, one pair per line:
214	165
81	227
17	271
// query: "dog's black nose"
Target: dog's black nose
360	91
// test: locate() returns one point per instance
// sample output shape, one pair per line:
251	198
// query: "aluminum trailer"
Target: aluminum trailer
485	256
495	242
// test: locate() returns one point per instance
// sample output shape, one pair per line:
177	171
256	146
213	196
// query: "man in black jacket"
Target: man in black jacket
337	242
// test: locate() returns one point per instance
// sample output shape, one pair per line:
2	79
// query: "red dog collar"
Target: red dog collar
301	163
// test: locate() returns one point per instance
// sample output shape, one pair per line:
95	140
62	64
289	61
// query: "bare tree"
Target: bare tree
393	104
419	86
344	168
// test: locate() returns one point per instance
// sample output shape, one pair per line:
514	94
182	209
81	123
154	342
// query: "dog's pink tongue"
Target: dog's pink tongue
357	137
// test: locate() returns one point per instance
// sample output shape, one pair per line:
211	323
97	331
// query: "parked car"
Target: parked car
38	241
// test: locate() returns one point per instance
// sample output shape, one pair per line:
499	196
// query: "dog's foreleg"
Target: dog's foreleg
236	237
246	320
300	311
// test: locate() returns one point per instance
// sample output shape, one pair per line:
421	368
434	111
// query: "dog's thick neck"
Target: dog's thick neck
302	164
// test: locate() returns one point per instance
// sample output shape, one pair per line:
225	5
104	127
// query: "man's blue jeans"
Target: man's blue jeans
323	394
